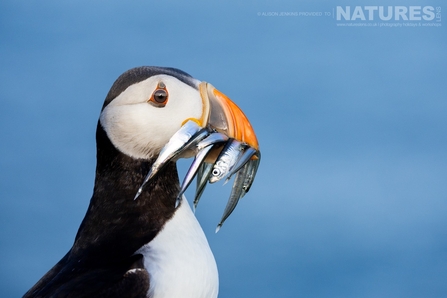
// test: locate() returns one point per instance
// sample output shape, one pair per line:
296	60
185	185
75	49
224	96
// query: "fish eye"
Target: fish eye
160	96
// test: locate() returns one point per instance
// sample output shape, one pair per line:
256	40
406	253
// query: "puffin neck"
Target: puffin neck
116	225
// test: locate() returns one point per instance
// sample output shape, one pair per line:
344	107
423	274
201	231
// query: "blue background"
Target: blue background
351	196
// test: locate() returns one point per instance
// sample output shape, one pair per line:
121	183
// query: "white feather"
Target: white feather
179	260
139	129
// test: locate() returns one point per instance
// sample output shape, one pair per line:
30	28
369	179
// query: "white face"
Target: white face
140	129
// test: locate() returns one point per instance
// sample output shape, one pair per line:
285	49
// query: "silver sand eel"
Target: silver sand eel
235	158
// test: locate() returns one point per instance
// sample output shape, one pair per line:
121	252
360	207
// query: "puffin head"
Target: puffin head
162	114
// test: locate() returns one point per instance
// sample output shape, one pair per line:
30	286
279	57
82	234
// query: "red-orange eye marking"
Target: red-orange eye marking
160	95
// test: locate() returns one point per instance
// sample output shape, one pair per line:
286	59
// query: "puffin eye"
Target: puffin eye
160	95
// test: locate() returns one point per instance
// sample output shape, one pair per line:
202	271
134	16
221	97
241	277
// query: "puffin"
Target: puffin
139	236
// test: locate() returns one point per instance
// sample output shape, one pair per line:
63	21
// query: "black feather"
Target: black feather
102	261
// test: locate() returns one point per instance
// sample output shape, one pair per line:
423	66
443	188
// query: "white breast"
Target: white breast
179	260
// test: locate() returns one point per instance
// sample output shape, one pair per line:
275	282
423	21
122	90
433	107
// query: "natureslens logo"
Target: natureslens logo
388	16
382	13
369	16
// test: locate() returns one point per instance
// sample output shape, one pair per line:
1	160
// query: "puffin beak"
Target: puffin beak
223	142
223	115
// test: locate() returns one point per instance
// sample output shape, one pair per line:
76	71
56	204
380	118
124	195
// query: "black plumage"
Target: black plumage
115	226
